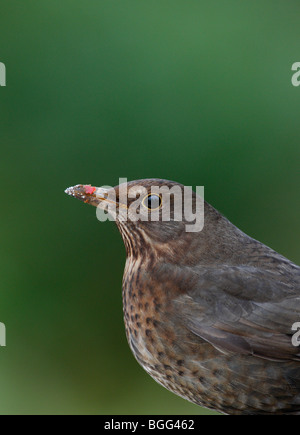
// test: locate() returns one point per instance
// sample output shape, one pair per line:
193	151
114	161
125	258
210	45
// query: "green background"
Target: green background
194	91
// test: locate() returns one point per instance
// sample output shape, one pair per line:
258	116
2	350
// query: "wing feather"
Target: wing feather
240	309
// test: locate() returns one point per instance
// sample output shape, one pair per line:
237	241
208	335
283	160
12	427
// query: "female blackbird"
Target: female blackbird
210	315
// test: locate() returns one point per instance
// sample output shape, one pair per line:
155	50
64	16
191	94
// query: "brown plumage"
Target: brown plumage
209	315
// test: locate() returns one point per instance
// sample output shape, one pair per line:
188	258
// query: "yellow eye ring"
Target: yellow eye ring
152	202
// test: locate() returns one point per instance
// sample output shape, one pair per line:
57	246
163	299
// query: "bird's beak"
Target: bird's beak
89	194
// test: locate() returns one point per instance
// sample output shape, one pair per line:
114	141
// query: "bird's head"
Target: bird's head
152	212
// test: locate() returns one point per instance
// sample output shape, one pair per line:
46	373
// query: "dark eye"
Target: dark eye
152	202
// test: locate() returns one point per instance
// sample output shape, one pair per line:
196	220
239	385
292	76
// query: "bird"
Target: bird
209	315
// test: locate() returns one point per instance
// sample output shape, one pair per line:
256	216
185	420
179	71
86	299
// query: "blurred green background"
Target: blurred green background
194	91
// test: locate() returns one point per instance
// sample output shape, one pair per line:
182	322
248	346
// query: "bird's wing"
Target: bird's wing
242	310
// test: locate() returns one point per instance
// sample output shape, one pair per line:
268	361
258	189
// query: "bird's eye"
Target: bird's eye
152	202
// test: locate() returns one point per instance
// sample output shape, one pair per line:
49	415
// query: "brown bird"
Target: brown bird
209	314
